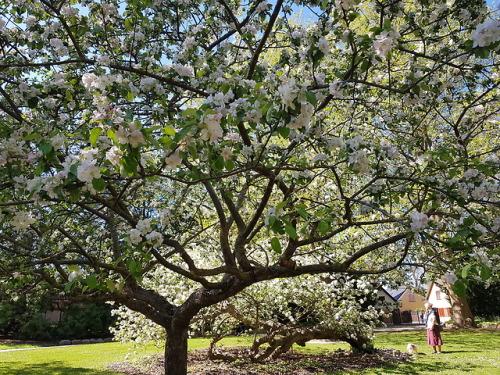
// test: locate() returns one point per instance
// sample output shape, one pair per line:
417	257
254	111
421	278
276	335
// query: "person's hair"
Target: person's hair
427	305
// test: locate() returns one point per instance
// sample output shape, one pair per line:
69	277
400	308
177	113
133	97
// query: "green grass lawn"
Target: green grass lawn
474	352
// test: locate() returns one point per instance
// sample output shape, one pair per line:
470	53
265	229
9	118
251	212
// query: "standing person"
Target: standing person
433	328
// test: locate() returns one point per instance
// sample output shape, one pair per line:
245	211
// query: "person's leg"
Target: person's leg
434	349
439	348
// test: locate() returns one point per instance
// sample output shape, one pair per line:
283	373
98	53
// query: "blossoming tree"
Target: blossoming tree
279	312
236	142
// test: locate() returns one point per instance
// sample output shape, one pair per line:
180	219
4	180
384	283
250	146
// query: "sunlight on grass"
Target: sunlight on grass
472	352
78	359
18	346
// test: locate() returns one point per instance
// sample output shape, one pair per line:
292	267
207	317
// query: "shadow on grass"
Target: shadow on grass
51	368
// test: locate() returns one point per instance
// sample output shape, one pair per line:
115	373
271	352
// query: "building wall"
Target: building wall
409	303
440	301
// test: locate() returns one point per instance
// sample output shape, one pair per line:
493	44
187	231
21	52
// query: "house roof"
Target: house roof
397	293
398	296
387	293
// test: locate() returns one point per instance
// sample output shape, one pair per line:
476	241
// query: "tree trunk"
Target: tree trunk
176	351
460	309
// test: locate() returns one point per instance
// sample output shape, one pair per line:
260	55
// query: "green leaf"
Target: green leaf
485	272
68	96
111	285
229	165
33	102
73	268
166	140
266	107
323	227
132	265
129	23
276	245
317	57
465	271
32	136
182	133
291	231
459	288
468	221
74	195
271	220
99	184
301	209
168	130
284	131
129	96
111	135
130	164
190	112
277	227
219	163
365	65
94	135
281	205
482	52
311	98
68	286
45	147
91	281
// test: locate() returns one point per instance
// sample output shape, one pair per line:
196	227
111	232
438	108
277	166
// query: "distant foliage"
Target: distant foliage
484	300
25	319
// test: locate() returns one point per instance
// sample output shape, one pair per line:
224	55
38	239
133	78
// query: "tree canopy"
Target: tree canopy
235	142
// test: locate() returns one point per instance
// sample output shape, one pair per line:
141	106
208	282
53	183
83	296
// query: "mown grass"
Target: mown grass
470	352
475	352
71	360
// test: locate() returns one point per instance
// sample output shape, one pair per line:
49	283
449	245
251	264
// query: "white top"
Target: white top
431	320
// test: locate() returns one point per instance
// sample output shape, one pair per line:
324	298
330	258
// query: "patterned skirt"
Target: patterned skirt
434	337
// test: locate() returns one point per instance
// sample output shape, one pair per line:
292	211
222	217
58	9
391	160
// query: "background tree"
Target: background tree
231	145
279	313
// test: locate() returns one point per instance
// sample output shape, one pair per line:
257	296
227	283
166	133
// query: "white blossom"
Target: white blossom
383	43
486	33
114	155
89	80
87	171
144	225
212	130
155	238
323	45
135	236
173	160
182	70
419	221
22	220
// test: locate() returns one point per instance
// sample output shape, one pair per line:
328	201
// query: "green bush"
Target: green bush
36	328
478	293
85	321
23	318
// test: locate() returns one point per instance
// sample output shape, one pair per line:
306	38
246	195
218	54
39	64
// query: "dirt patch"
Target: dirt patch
289	363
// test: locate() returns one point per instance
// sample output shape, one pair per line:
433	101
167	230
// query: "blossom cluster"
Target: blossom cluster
486	33
144	230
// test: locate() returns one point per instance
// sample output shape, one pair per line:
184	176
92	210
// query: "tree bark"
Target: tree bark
460	309
176	353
